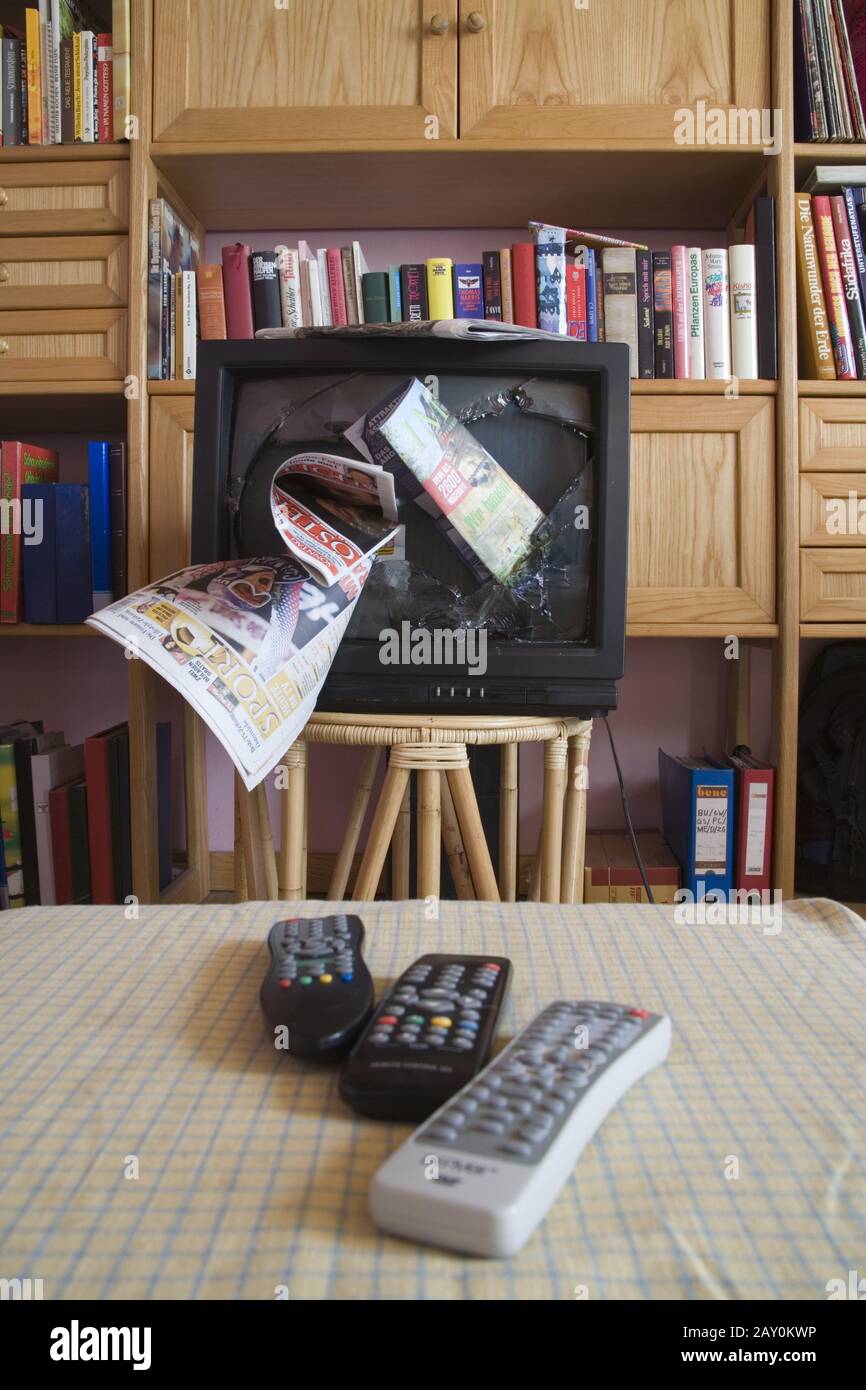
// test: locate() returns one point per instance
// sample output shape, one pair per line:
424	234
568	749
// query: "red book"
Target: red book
336	286
680	290
97	773
19	464
524	278
61	843
238	295
105	87
575	302
753	829
834	289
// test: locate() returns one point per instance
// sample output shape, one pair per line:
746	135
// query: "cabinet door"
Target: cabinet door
63	272
69	345
171	442
305	69
702	525
78	197
608	69
832	434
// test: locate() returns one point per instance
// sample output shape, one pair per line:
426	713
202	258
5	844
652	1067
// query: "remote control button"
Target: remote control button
463	1043
480	1092
466	1105
387	1018
491	965
443	1132
285	984
436	1042
522	1092
514	1146
326	979
470	1015
306	980
441	1022
534	1133
552	1106
488	1127
638	1013
397	1010
436	1033
347	978
415	1018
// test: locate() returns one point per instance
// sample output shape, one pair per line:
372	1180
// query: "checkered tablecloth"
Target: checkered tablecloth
154	1145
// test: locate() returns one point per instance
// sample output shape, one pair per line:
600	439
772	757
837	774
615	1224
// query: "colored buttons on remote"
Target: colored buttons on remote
334	992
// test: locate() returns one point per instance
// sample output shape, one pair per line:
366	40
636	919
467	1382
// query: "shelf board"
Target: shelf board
826	152
47	630
52	154
837	630
638	388
832	388
702	630
458	183
171	388
62	407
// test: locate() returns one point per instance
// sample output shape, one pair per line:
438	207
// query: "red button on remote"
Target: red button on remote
639	1013
387	1018
284	984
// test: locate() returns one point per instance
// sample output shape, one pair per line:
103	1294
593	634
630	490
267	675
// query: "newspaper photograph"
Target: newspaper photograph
249	642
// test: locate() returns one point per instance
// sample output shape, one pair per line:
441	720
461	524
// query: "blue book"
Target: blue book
469	291
395	294
72	553
550	277
38	566
698	822
99	475
585	256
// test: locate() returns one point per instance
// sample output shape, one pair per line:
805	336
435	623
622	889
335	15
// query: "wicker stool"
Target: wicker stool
434	748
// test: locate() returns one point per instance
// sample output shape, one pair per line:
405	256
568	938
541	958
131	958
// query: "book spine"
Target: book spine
104	88
23	95
523	275
374	288
237	290
121	77
601	326
680	291
67	114
34	76
154	291
310	269
440	294
61	846
94	84
507	277
337	288
492	285
19	464
325	288
549	280
831	274
744	318
359	270
11	92
211	303
585	256
55	91
468	291
695	314
413	289
395	297
190	335
663	314
74	594
816	349
267	310
765	268
39	579
168	307
645	318
850	281
77	90
856	231
97	759
619	269
349	287
717	314
87	87
176	326
117	504
99	483
290	286
575	299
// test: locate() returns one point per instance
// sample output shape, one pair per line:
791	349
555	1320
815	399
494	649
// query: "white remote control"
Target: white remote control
480	1174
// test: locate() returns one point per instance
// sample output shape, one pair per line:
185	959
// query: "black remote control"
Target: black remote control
430	1035
317	986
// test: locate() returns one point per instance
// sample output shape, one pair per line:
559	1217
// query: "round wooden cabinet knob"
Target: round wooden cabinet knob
4	346
439	25
476	22
4	197
4	274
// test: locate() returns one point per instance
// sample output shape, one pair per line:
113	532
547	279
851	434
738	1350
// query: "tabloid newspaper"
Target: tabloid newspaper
249	642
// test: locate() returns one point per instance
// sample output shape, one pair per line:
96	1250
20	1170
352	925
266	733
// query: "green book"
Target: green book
79	841
375	291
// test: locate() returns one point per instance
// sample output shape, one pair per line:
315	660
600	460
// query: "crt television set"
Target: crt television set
553	414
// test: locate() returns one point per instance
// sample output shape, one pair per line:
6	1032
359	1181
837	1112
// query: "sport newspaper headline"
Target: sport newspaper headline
249	642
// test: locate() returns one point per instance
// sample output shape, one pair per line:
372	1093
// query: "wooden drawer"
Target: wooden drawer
59	199
833	585
63	272
702	513
72	345
833	434
833	509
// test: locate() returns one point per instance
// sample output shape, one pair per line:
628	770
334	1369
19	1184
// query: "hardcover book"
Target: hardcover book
646	319
413	290
850	280
550	278
492	285
74	593
717	314
237	290
117	476
585	256
99	483
663	314
440	291
695	314
523	275
336	287
51	769
834	293
19	464
374	288
698	821
680	292
575	298
816	349
211	303
744	321
38	559
267	310
620	297
468	291
507	282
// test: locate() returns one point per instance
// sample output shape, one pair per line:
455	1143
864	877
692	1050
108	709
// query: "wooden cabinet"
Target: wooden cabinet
74	345
702	513
304	70
172	421
833	508
833	586
833	434
63	272
69	197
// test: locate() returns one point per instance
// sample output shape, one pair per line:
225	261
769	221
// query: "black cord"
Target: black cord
627	813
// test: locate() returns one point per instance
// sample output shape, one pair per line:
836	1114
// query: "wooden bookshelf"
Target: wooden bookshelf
47	630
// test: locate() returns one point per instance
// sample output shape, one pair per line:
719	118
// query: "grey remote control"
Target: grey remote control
482	1172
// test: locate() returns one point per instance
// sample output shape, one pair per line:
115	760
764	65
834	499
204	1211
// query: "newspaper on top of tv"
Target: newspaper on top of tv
249	642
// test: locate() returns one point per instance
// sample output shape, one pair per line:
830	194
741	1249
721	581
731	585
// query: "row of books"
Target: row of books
830	69
62	80
65	816
62	545
831	279
717	818
685	313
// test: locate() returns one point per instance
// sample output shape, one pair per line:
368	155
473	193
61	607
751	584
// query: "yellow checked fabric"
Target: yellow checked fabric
154	1145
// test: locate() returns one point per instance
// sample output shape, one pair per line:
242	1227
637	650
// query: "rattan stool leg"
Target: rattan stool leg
254	860
453	842
555	756
357	812
574	829
400	851
384	820
429	833
262	822
466	806
240	874
508	804
292	885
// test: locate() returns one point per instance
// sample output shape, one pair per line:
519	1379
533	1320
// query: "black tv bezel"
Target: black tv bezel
579	679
